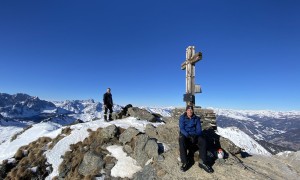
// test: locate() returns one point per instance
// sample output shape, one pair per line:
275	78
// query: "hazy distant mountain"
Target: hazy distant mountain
272	129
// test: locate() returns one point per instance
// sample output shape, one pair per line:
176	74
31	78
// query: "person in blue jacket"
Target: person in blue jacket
191	133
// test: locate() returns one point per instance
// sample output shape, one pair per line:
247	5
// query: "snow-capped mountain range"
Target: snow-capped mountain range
265	128
23	106
21	125
270	128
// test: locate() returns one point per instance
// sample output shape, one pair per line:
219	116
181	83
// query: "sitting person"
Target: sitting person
191	133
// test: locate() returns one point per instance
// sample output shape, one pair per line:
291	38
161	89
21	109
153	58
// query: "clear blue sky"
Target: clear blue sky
60	50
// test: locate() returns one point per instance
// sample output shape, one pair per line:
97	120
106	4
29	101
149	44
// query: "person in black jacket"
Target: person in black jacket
108	104
191	134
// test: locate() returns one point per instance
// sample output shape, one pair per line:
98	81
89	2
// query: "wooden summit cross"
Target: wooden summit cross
189	66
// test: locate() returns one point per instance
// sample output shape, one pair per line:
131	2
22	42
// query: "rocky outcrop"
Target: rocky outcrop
91	159
155	151
90	164
141	114
144	149
128	135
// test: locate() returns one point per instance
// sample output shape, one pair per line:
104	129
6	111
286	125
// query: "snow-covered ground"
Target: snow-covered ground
79	133
124	162
242	140
126	166
9	148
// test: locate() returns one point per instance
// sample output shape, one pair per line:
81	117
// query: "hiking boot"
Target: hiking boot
105	118
184	167
206	168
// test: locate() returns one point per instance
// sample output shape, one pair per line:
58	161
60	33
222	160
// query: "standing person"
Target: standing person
108	104
191	134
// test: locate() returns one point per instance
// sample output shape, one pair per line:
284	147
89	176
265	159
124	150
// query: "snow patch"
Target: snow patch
126	166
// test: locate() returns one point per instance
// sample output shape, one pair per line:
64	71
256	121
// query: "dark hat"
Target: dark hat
189	107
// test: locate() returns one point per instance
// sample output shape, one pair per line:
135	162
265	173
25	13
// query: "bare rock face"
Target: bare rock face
90	163
109	132
167	133
229	146
151	149
128	134
144	149
151	130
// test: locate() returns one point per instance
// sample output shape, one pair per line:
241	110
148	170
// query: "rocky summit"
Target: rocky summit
154	151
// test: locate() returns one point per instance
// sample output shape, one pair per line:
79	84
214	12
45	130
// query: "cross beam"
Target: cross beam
197	57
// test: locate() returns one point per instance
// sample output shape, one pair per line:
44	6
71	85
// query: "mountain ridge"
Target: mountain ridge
164	166
270	128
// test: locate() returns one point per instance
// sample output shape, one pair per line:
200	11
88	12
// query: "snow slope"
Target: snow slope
242	140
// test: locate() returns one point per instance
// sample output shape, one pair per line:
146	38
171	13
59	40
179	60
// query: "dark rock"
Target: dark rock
148	172
121	114
150	130
109	132
125	109
141	114
19	154
168	133
115	116
90	164
128	134
151	149
144	149
229	146
139	153
127	149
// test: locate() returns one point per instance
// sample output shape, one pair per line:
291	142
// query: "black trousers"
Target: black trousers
185	144
108	107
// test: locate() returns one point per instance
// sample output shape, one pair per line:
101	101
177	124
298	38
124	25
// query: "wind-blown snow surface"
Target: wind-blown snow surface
242	140
9	148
